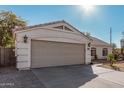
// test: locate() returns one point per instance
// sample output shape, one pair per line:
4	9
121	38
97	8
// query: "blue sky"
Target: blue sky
97	22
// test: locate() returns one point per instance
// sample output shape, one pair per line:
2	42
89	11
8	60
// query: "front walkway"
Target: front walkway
116	78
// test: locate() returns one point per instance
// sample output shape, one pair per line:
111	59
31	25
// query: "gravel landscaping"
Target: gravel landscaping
11	77
119	65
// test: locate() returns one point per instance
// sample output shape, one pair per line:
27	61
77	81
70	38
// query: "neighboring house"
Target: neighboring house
99	49
51	44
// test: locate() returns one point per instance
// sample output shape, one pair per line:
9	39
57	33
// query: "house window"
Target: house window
93	51
105	52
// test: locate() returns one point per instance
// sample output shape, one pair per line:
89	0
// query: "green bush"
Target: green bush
111	58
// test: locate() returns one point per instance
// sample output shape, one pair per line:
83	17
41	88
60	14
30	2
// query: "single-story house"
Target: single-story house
99	49
54	44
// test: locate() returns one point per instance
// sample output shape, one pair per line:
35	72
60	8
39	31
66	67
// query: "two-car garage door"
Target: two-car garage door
46	53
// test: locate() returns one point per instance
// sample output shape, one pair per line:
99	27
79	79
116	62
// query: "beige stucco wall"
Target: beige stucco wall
23	50
88	54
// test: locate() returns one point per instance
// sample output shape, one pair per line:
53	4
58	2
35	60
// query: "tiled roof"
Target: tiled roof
50	23
99	41
39	25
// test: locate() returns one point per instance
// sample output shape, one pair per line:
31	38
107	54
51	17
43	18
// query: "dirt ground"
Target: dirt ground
119	65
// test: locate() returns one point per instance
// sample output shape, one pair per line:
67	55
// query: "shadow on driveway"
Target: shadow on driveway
65	76
51	77
10	77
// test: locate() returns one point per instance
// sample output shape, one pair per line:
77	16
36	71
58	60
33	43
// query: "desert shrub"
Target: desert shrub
111	59
116	56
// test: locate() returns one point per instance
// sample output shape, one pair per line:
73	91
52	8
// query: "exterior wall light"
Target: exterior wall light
25	39
89	44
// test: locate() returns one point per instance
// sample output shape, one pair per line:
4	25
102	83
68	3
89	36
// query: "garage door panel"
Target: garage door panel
45	53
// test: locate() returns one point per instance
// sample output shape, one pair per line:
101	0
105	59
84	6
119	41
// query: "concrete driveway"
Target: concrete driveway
78	76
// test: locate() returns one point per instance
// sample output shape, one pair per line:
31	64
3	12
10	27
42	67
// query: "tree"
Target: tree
86	33
8	22
113	46
122	43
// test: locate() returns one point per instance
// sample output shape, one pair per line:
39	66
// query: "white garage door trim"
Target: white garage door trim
48	58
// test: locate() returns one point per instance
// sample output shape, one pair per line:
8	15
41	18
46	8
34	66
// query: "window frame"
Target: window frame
104	51
93	51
